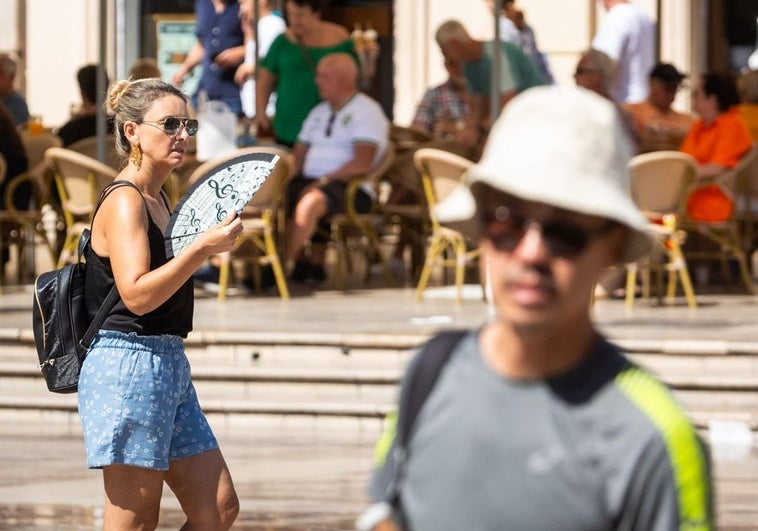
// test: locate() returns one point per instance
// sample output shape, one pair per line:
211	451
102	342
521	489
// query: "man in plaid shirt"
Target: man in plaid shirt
441	113
443	108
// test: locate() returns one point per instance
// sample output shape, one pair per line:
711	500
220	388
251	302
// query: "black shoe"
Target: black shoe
316	274
300	273
206	277
268	280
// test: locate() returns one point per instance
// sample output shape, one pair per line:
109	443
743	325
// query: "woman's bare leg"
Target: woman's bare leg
203	485
132	497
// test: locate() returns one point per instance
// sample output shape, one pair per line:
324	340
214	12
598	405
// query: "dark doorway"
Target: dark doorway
732	33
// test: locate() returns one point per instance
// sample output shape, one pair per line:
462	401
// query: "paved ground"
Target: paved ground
310	474
295	476
720	317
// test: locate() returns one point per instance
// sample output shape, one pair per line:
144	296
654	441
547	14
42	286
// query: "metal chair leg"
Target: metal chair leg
276	266
435	249
631	280
223	275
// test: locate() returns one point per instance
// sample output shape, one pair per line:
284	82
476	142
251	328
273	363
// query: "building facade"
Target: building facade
53	41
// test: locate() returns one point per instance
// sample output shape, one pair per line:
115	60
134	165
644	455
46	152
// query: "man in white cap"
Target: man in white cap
534	420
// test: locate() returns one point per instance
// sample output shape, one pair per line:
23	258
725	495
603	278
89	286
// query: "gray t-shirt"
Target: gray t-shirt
603	447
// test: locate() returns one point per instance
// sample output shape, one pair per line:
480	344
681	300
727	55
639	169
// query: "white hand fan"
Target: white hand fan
224	188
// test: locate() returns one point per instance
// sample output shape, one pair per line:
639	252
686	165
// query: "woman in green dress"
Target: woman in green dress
290	65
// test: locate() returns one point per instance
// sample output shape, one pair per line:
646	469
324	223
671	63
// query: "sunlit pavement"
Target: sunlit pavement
308	472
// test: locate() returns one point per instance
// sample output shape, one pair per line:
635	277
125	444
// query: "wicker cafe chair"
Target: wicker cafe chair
747	201
441	172
352	229
36	145
261	220
727	234
88	146
659	183
29	227
405	138
404	211
80	180
5	219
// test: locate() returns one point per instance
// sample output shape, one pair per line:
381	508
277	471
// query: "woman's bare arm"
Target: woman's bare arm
120	232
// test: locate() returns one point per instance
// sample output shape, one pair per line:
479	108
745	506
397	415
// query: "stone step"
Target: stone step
726	380
269	388
55	413
359	401
293	353
661	363
268	354
336	393
348	342
355	376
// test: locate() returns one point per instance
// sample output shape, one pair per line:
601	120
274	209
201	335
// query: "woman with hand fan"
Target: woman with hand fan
141	418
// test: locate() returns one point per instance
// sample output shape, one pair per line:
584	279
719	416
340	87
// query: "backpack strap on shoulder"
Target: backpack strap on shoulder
422	378
84	239
113	295
420	381
110	188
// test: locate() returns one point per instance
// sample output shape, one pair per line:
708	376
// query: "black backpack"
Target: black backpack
62	328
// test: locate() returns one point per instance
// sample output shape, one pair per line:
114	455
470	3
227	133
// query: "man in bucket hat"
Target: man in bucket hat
535	421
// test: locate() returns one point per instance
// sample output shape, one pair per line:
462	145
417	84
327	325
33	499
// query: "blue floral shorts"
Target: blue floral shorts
137	403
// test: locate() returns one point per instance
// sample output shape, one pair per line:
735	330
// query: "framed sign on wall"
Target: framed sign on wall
174	38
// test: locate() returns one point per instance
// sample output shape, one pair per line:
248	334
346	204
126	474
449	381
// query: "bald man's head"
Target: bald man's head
342	64
337	77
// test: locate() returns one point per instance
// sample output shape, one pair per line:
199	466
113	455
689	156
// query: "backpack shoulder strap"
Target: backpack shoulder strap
110	188
113	296
422	378
84	239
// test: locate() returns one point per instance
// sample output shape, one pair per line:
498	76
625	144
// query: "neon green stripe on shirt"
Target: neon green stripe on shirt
685	453
383	445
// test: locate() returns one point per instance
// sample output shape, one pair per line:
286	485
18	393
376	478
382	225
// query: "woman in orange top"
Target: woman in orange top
718	140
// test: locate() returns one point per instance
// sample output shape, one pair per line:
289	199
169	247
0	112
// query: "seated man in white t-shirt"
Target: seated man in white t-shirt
344	136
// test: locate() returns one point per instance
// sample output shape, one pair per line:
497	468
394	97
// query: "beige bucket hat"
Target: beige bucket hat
563	146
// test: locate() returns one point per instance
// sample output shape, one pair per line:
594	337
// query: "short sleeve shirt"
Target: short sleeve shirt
724	141
517	71
16	105
601	447
269	27
478	73
218	32
628	36
749	113
442	103
331	135
296	91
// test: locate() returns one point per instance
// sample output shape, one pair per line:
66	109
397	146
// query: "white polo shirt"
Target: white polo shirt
330	136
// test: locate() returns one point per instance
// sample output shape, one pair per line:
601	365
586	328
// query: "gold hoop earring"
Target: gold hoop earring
135	155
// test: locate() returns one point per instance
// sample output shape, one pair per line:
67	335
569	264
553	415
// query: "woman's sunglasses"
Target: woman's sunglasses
505	229
171	125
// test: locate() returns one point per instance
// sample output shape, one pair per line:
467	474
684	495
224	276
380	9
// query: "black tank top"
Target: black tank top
173	317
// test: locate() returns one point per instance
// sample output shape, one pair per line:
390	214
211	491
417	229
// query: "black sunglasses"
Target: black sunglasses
171	125
505	228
